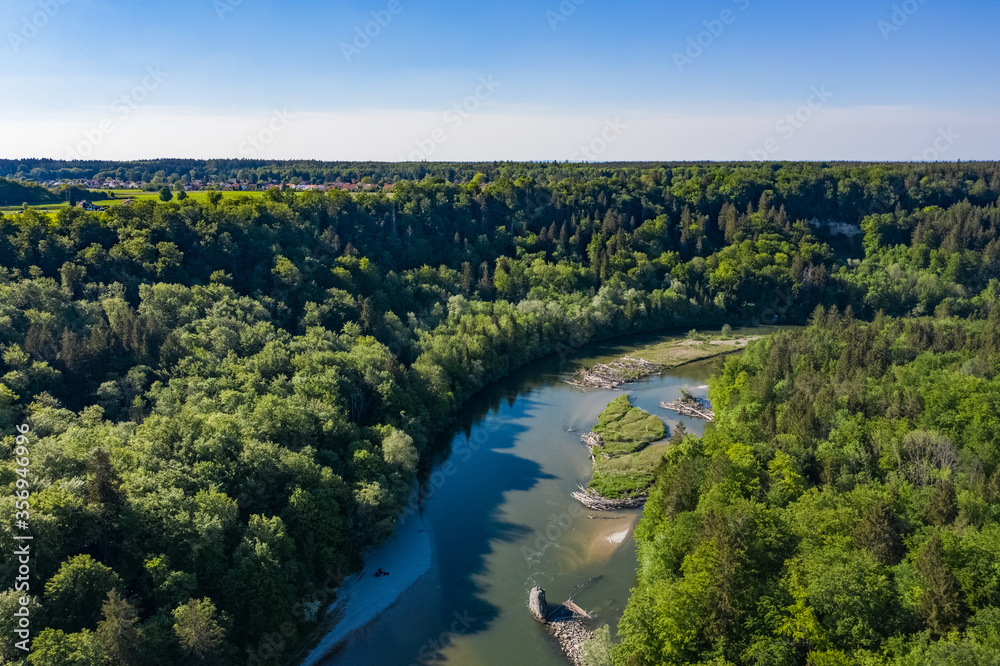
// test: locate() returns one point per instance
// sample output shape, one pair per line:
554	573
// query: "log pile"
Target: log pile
612	375
596	502
693	408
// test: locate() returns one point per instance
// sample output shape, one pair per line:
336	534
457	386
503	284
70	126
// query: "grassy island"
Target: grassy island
624	462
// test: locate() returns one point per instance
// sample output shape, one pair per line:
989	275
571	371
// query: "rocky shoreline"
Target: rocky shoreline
564	622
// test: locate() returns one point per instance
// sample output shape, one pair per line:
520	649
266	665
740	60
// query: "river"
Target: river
498	511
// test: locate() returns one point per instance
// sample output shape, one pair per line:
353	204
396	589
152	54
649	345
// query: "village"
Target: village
232	185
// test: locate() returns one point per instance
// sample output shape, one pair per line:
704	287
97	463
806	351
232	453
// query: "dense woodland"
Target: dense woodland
232	399
844	509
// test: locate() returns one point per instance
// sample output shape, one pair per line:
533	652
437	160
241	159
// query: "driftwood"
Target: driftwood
596	502
612	375
692	408
594	443
578	612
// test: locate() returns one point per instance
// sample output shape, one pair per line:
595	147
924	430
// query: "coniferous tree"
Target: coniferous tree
117	634
880	533
943	506
941	604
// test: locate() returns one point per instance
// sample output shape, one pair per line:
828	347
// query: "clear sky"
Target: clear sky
518	79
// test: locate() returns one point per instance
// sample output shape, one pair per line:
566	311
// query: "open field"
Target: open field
137	195
120	196
673	353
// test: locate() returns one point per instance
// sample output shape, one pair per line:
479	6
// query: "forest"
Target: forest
231	399
845	508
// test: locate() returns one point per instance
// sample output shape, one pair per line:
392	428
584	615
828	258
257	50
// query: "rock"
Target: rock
572	635
564	623
537	605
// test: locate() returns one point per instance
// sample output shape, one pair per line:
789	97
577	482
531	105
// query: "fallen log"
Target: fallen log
694	410
577	611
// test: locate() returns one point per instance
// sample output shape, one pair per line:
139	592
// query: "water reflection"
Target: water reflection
497	505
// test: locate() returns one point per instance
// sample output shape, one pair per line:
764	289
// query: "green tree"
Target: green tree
598	650
941	605
398	450
199	630
54	647
73	597
166	195
103	482
880	533
942	509
118	634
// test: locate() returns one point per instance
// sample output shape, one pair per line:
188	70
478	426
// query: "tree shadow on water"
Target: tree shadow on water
461	500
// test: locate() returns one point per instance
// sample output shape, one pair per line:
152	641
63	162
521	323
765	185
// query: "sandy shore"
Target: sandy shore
617	537
607	540
406	556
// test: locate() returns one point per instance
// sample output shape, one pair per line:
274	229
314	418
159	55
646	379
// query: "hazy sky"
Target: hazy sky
519	79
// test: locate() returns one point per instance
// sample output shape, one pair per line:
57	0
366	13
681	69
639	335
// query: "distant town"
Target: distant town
232	185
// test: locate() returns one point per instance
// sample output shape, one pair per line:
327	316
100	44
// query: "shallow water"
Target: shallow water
498	509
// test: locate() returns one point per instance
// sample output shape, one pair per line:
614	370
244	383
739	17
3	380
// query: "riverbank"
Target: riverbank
657	358
406	556
504	491
675	353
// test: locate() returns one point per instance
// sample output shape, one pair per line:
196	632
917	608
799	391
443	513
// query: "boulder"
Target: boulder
537	605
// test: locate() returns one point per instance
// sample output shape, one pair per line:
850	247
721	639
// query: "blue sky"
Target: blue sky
895	78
